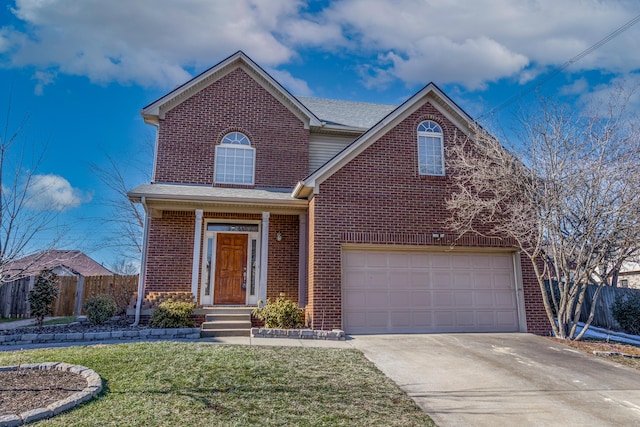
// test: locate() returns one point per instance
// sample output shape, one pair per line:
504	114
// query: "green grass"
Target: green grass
198	384
7	319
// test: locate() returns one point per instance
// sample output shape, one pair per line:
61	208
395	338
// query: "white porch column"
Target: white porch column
302	261
197	242
264	257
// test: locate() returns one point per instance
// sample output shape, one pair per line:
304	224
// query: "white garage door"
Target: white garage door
396	292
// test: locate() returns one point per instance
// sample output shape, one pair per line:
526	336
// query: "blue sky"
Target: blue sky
81	71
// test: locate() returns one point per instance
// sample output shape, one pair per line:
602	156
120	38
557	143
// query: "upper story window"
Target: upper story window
235	160
430	149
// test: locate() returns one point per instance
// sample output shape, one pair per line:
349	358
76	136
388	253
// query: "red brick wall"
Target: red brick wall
282	274
190	131
379	197
170	255
170	252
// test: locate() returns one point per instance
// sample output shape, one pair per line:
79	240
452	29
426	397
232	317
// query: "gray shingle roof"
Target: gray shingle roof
347	113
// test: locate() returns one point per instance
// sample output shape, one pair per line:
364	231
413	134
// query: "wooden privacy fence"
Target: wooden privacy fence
603	316
13	297
73	292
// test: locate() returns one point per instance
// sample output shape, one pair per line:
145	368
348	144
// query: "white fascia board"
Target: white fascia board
230	200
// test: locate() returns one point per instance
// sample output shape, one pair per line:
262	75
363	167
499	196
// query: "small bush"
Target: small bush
282	313
100	308
42	295
173	314
626	311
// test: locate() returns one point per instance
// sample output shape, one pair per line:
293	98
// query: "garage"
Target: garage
428	292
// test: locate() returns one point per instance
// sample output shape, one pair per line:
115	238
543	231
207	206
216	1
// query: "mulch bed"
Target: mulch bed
28	389
74	327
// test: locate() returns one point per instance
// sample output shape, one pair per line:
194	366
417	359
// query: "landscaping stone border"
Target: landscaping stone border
310	334
94	386
170	333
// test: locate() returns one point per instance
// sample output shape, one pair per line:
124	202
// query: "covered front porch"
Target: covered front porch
222	246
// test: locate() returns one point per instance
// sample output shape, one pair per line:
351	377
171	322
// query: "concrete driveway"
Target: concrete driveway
506	380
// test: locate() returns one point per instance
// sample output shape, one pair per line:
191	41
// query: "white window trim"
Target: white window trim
236	147
431	134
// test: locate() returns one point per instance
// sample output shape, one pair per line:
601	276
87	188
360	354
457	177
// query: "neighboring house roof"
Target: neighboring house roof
360	115
157	109
429	93
630	267
157	193
74	261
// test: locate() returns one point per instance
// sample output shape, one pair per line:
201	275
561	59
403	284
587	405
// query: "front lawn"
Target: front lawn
198	384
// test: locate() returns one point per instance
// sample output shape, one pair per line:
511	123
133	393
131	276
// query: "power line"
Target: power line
539	82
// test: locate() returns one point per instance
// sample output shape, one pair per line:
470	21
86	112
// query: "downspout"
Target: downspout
143	265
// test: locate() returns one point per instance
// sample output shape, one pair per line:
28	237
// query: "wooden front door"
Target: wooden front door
231	269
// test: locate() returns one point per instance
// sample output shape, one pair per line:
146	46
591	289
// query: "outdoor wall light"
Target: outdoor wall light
278	236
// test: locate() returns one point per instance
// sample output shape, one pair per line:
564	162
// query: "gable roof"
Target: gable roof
75	261
155	111
430	93
349	114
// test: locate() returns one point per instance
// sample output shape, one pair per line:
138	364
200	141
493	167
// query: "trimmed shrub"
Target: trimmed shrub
100	308
42	295
173	314
626	311
281	313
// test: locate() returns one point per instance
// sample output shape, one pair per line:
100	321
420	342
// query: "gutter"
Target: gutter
143	265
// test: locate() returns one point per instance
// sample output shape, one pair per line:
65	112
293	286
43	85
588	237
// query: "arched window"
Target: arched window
430	149
235	160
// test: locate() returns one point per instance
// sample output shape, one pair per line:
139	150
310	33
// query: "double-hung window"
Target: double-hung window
430	149
235	160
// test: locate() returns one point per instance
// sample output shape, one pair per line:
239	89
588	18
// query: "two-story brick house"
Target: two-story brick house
337	205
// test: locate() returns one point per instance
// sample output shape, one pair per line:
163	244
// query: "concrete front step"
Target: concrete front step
221	317
225	310
227	324
212	333
226	321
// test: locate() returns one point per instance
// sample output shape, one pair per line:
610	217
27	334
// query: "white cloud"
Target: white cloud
294	85
53	192
466	43
471	43
43	78
148	43
578	87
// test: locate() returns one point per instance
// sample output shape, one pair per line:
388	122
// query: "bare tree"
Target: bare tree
23	218
567	197
126	217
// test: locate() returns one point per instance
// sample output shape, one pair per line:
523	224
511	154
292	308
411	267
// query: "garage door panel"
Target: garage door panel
419	260
443	319
395	291
356	278
401	299
464	319
441	279
420	279
484	299
506	318
463	280
463	300
355	298
377	279
504	299
377	319
400	319
377	299
421	298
